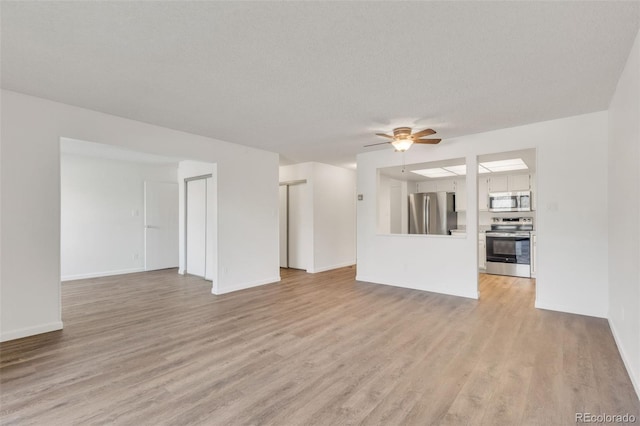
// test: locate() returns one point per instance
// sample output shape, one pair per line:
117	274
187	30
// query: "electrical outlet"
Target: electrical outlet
136	256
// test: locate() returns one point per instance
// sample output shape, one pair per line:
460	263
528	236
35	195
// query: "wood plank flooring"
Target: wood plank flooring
159	349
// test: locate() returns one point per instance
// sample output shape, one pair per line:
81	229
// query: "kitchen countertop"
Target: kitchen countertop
481	230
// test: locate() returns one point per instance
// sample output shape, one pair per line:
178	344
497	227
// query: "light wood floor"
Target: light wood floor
157	348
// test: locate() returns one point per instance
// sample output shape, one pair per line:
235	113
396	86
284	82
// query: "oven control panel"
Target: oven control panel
513	220
512	224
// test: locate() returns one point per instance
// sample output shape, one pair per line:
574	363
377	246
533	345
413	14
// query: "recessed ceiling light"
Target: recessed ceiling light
458	170
505	165
433	173
508	168
461	170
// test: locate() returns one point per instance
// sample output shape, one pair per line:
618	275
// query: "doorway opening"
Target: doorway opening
118	211
124	212
507	225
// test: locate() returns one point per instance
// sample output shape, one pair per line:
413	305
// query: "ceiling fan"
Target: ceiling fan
402	138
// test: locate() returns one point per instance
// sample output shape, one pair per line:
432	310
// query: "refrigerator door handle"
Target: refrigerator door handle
426	214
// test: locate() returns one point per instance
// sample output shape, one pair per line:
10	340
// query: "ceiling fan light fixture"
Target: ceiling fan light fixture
402	138
402	145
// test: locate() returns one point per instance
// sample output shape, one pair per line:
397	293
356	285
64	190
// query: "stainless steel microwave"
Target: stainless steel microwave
510	201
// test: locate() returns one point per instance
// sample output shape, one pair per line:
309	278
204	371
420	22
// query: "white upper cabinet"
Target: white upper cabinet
534	192
483	193
519	182
448	185
427	186
499	183
505	183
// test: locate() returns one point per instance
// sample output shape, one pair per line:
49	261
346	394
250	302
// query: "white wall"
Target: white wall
624	214
393	209
331	207
30	189
398	195
571	169
102	214
383	195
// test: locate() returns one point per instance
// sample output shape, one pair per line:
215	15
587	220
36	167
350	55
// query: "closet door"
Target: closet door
196	232
298	232
284	262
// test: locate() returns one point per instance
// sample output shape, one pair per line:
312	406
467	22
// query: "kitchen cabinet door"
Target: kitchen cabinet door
519	182
534	192
428	186
483	194
482	253
448	185
499	183
533	255
461	195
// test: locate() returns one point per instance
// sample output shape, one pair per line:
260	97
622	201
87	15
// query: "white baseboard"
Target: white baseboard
30	331
472	295
329	268
100	274
625	359
567	309
243	286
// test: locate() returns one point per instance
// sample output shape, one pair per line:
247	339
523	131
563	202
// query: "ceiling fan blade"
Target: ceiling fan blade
427	141
425	132
374	144
384	136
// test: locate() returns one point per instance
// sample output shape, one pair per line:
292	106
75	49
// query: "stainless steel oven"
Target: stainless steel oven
509	246
509	253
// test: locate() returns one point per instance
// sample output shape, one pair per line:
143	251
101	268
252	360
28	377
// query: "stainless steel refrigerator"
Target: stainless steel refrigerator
432	213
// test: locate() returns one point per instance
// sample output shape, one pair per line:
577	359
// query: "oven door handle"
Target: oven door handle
506	234
498	234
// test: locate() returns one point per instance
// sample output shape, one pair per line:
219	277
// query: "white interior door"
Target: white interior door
196	232
211	247
160	225
298	236
284	263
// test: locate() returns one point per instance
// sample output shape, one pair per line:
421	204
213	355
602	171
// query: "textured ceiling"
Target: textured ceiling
314	80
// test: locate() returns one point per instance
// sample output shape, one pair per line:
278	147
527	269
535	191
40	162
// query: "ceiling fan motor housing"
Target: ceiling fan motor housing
402	133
